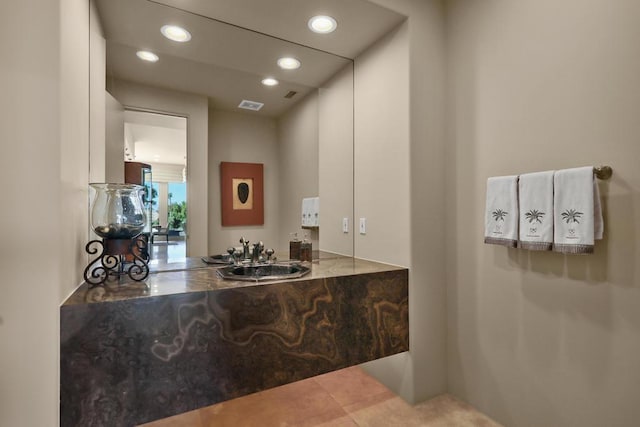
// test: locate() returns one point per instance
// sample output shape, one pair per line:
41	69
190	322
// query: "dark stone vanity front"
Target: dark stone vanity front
188	339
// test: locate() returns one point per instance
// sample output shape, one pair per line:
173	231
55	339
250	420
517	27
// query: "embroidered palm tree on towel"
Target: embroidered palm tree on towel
534	215
571	215
499	214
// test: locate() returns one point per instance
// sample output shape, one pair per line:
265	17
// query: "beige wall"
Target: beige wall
73	168
335	161
298	168
74	140
44	126
543	339
195	109
399	183
382	175
97	101
289	149
114	140
97	109
427	78
244	138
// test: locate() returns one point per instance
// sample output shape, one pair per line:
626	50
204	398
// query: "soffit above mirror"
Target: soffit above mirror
360	22
225	62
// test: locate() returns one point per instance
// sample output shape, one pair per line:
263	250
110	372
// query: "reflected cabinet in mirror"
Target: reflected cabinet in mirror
297	123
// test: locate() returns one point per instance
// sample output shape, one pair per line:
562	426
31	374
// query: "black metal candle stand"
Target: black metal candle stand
118	257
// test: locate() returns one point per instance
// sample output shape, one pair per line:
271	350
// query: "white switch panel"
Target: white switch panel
345	225
363	225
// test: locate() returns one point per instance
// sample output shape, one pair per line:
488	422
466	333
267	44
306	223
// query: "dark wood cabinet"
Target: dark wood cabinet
137	173
140	174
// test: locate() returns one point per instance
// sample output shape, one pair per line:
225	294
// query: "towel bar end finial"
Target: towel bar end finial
603	172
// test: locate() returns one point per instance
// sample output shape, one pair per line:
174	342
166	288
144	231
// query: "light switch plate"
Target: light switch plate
345	225
363	225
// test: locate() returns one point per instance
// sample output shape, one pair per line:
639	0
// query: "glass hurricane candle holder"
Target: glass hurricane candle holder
118	210
118	217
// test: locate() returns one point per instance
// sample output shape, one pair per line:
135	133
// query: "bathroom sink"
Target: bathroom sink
262	272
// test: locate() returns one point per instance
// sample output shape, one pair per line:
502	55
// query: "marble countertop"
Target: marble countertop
193	275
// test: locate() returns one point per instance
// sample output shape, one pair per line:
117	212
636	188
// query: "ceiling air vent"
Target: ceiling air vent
291	94
251	105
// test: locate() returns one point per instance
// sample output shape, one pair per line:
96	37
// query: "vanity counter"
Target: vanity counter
194	275
187	339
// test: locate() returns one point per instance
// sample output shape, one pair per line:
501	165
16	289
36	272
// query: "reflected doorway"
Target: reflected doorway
160	140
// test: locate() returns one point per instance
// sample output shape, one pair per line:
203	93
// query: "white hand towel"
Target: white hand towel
536	210
577	211
501	214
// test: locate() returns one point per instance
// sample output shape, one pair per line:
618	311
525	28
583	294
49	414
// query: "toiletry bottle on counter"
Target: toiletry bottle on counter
306	250
294	247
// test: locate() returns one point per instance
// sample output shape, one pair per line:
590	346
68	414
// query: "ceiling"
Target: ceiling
157	138
224	61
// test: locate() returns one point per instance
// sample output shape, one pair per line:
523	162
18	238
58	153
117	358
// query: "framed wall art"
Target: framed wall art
242	193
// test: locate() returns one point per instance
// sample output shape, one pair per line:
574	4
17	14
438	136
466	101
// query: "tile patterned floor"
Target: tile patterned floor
345	398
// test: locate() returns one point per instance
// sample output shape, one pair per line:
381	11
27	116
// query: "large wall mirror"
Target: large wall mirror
192	91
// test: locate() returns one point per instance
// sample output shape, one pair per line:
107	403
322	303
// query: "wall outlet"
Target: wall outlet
345	225
363	225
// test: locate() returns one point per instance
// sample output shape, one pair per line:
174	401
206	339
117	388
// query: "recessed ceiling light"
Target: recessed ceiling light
175	33
322	24
145	55
288	63
269	81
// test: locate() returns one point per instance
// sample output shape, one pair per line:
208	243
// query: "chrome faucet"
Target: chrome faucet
245	247
257	250
270	258
235	255
254	254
